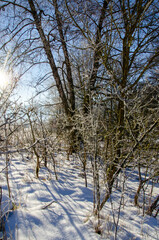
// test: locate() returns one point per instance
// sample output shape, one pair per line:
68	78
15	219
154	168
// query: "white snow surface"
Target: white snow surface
47	209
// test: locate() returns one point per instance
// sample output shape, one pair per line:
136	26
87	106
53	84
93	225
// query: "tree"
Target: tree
121	39
9	116
35	17
128	61
55	35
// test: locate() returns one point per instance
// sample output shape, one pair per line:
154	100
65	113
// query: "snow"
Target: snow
48	209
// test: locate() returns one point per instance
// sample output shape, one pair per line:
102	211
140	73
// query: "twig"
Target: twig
5	167
48	205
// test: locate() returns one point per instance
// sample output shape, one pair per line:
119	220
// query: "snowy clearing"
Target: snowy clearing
48	209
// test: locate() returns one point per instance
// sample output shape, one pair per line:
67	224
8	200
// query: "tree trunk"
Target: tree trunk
34	147
47	48
137	194
7	159
153	207
124	161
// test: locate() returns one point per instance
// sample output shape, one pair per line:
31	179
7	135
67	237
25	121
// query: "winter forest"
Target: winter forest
80	158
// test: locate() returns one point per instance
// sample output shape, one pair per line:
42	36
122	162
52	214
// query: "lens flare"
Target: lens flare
5	79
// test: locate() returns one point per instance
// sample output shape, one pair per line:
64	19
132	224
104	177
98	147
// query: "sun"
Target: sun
5	79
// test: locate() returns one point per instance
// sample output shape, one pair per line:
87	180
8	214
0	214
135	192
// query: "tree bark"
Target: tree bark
47	49
153	207
66	55
97	57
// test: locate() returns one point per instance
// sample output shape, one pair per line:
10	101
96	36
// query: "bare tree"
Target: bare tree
121	40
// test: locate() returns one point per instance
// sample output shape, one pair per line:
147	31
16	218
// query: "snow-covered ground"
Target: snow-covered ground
46	209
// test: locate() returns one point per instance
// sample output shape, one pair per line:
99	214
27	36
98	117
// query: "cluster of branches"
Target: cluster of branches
102	56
